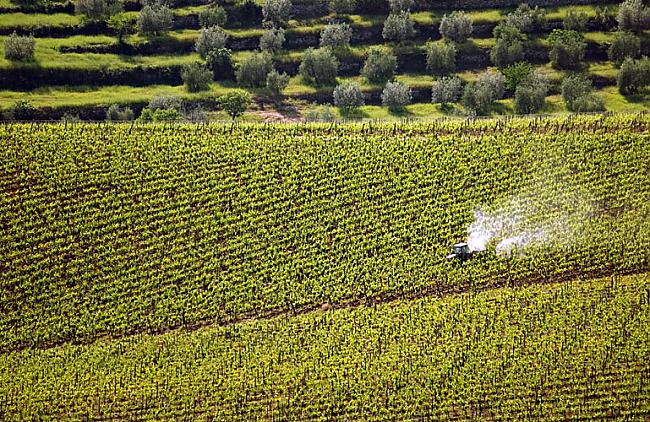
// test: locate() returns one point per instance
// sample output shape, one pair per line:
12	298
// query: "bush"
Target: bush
530	96
633	75
165	102
526	19
319	66
220	63
272	40
276	12
441	58
341	7
117	114
456	27
400	5
22	110
196	77
276	82
396	96
398	27
574	87
509	47
480	96
516	74
348	96
336	36
446	90
97	10
235	102
214	15
253	70
567	49
155	20
624	45
122	24
633	16
380	65
19	47
213	38
589	104
166	115
575	21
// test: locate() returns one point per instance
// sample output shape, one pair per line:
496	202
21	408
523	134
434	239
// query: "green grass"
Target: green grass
32	20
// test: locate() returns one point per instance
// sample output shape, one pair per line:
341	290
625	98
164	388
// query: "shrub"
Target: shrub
348	96
633	75
398	27
116	114
602	16
253	70
122	25
336	36
97	10
22	110
480	96
319	66
165	102
530	95
213	38
446	90
214	15
19	47
341	7
380	65
166	115
196	115
276	12
396	96
219	61
400	5
276	82
456	27
441	58
509	47
145	115
272	40
235	102
589	103
70	118
573	87
633	16
526	19
575	21
516	74
567	49
155	20
196	77
624	45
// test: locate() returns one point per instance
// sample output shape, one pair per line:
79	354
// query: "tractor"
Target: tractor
460	252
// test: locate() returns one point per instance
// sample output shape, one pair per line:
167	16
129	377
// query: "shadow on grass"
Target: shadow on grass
354	114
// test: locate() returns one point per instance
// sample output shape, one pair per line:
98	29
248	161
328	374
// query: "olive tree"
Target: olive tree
624	45
235	102
509	47
441	58
276	12
400	5
272	40
155	19
219	61
97	10
398	27
196	77
348	96
479	96
319	66
276	82
380	65
253	70
567	49
210	39
341	7
396	96
115	113
575	21
446	90
526	19
19	47
530	95
214	15
456	27
578	96
336	35
633	75
633	15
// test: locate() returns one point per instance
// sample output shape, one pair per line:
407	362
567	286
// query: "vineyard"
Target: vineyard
297	271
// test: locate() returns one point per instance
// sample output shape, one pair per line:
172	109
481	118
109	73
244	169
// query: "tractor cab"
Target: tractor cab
460	252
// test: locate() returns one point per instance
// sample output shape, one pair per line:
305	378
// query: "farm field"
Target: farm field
297	271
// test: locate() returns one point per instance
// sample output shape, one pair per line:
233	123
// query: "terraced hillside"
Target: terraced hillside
80	67
298	271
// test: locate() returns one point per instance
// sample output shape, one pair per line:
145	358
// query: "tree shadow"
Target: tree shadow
354	114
